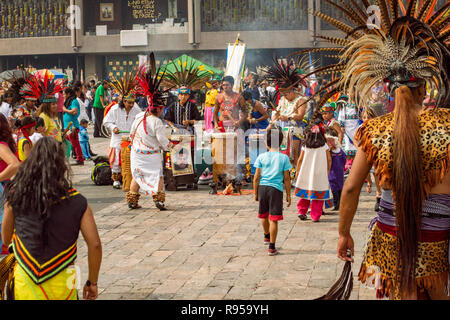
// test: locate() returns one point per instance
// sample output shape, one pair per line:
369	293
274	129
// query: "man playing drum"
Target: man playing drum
119	120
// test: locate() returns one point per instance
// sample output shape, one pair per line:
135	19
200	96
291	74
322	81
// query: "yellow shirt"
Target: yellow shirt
52	125
20	150
210	99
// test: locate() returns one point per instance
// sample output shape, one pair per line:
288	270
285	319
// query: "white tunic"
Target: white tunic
146	158
83	113
313	174
118	118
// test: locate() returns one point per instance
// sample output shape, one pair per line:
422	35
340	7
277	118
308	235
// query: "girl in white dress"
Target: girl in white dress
314	163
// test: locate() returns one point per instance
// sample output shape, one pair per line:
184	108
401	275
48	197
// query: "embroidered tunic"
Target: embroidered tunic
349	119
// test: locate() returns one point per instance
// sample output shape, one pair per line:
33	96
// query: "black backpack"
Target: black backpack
101	172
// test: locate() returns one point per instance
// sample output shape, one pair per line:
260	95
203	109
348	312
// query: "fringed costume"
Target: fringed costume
121	118
148	138
408	250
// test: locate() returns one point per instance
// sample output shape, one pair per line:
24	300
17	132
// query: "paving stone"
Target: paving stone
211	247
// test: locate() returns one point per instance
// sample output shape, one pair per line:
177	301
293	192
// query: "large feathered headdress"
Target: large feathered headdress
285	75
186	75
16	86
125	86
408	46
148	84
41	88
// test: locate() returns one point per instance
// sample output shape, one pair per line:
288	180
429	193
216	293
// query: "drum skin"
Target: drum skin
224	153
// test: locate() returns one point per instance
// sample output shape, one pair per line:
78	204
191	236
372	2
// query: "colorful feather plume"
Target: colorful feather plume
125	86
408	45
149	85
186	75
285	74
41	88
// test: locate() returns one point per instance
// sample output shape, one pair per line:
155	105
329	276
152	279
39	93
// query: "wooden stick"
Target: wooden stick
67	129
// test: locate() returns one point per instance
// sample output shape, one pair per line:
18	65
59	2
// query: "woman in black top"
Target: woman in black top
42	220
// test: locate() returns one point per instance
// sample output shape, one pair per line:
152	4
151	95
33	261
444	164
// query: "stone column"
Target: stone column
197	21
191	22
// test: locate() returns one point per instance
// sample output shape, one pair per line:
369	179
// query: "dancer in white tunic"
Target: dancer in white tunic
147	140
119	120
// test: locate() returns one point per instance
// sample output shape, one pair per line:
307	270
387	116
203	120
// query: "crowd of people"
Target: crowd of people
382	120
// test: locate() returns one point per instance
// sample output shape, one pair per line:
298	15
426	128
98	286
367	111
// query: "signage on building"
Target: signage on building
146	11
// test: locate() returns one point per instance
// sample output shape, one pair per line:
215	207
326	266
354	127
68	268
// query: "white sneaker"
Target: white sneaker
116	185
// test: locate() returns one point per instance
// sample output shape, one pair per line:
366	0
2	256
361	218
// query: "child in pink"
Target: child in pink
313	166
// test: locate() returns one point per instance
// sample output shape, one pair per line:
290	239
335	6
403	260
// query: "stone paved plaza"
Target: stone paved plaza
211	247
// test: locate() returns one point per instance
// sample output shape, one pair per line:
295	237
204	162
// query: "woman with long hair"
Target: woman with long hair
9	164
71	112
42	220
406	256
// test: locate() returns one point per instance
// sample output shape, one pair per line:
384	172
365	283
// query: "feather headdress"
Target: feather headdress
125	86
41	88
407	46
186	75
148	85
16	85
285	75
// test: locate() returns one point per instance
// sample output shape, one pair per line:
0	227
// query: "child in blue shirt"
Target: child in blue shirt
272	171
84	139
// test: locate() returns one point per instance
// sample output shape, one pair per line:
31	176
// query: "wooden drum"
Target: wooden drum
224	153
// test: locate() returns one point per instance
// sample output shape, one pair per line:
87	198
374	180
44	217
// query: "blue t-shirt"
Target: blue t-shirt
273	165
72	117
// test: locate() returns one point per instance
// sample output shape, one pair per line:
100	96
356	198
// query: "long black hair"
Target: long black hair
6	133
70	92
316	139
42	180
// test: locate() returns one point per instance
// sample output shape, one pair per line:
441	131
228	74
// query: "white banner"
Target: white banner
235	63
142	60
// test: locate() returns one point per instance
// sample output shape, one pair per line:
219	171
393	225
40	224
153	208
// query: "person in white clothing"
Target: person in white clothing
39	130
148	138
119	120
83	101
5	107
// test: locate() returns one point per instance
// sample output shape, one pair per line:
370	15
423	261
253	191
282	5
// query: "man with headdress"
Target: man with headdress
26	109
183	113
148	138
407	254
292	105
119	120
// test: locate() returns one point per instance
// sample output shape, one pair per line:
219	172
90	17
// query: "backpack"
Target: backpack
101	174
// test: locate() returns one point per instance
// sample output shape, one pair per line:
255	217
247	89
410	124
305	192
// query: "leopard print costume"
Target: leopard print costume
380	258
380	261
375	139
